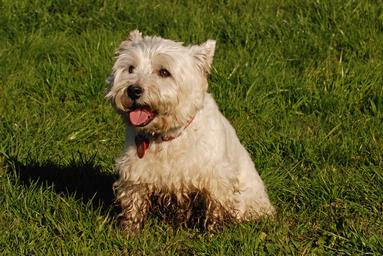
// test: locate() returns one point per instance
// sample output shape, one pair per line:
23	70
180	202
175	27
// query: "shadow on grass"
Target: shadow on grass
83	180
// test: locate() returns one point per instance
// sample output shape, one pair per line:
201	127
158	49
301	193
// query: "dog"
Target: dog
182	158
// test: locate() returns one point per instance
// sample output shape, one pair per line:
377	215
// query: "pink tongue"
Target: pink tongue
140	116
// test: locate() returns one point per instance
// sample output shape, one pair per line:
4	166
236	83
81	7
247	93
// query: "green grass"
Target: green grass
301	81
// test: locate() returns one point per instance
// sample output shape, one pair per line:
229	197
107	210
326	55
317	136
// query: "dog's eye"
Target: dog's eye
164	73
131	69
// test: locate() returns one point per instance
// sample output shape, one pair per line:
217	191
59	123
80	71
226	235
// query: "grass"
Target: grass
301	81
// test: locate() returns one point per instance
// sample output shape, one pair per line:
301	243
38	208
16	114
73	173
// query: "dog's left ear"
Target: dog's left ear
204	54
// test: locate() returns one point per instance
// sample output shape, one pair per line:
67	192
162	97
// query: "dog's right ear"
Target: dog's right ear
134	37
110	79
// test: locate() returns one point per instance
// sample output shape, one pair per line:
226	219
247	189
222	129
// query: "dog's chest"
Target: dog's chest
172	162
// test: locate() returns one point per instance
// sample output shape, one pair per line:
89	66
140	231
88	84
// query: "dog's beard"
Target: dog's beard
156	112
145	118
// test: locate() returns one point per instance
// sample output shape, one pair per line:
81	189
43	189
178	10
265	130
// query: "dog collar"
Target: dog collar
142	144
143	140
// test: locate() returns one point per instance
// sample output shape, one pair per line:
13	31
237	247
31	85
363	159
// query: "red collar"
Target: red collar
143	141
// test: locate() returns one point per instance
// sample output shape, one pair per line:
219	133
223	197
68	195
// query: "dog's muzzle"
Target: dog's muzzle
134	91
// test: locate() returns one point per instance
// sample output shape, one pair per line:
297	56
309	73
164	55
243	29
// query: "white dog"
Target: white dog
182	158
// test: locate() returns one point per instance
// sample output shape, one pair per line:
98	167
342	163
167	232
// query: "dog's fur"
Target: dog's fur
195	171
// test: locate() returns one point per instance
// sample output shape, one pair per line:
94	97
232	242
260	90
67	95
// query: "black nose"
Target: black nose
135	91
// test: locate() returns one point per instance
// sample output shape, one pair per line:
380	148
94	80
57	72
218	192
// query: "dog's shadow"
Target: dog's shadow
84	181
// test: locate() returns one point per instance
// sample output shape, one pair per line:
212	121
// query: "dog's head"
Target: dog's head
158	85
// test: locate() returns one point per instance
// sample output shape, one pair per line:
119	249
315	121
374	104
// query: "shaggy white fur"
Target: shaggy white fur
182	157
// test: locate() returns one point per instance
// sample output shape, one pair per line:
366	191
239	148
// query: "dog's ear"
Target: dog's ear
110	79
134	37
204	54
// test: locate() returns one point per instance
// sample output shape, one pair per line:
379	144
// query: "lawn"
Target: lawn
301	81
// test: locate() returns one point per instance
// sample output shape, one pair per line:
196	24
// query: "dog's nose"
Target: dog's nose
135	91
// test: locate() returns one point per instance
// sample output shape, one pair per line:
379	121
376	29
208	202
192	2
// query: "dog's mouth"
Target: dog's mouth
141	115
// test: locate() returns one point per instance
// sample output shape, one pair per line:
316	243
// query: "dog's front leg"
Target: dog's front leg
134	201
